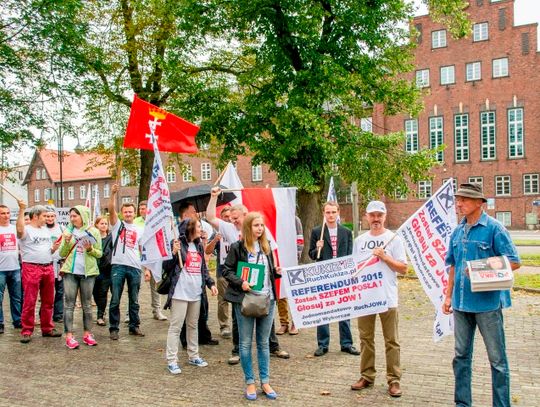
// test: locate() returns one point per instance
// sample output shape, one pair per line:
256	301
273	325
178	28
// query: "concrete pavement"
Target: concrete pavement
132	371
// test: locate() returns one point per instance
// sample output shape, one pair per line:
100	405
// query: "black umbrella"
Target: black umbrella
199	196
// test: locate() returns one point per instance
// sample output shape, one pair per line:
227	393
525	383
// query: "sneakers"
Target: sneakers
293	330
233	360
159	316
136	331
225	333
283	329
51	334
100	322
174	368
89	340
282	354
71	343
26	338
114	335
199	362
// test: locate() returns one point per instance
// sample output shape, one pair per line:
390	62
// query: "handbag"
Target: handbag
164	285
255	305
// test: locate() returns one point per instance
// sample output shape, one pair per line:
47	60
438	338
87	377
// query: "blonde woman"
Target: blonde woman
253	248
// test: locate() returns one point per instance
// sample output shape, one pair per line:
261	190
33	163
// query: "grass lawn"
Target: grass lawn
527	280
530	260
519	242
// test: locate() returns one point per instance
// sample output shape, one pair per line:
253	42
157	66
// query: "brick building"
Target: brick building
482	99
81	171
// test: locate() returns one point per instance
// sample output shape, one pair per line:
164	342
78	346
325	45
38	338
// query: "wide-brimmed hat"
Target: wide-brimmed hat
471	191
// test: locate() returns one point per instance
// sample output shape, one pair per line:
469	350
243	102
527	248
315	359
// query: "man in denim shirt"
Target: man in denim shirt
477	236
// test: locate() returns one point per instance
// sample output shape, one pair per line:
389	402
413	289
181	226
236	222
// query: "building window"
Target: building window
477	180
126	199
256	173
36	195
82	192
205	146
438	39
530	184
187	173
487	135
171	174
500	67
474	71
503	186
448	76
454	183
106	191
43	173
47	194
505	218
461	137
126	179
366	124
400	194
515	132
422	78
436	135
38	174
424	189
480	32
206	172
60	193
411	133
71	193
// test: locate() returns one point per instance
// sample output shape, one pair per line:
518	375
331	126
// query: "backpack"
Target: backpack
109	248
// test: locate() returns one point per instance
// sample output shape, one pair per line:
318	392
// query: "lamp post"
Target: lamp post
60	160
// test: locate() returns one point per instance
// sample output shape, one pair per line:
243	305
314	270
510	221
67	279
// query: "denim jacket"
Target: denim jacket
486	238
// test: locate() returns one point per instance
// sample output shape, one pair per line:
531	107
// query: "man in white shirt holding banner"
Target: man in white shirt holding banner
385	256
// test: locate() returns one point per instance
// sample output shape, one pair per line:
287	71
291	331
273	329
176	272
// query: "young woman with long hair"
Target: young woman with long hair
102	284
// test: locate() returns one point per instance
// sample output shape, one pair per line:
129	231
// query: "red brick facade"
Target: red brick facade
508	102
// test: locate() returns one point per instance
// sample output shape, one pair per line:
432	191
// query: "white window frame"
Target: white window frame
504	217
422	78
488	134
37	194
43	173
438	39
480	32
38	174
448	75
461	138
500	67
503	185
477	180
425	189
436	135
187	173
516	130
411	133
71	193
531	184
125	179
206	171
82	192
366	124
256	173
126	199
171	174
454	183
106	190
473	71
47	194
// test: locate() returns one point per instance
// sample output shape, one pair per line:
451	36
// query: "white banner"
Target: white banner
324	292
426	235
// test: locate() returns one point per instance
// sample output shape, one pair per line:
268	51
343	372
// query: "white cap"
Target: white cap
376	206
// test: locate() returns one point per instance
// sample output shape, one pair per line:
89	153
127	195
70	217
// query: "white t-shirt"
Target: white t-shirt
363	249
252	258
333	240
36	245
189	286
9	248
56	232
79	253
229	235
127	248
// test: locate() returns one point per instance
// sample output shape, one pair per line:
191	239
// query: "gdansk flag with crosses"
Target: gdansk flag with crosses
174	135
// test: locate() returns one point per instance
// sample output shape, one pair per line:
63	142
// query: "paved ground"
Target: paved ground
132	371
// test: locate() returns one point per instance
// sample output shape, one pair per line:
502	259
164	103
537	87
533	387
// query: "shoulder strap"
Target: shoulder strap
120	229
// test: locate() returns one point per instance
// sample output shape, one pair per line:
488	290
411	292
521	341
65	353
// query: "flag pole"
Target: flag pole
371	257
322	235
218	180
11	193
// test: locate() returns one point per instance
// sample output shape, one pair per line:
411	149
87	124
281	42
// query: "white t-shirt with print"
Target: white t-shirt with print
79	253
333	240
36	245
261	259
363	249
9	248
127	251
189	286
229	235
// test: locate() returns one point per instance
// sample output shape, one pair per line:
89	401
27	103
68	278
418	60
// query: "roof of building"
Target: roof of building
75	166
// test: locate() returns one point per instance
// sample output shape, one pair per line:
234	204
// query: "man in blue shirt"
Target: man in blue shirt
477	236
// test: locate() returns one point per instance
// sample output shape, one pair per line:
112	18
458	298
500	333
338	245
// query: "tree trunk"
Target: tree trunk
147	161
310	213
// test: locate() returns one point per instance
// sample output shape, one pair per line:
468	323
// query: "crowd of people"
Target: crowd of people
85	261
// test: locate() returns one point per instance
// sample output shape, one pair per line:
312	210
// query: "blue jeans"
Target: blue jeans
245	336
132	276
491	328
12	279
72	284
345	336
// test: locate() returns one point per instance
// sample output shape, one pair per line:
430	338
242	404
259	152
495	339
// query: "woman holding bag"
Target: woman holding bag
253	248
81	247
188	282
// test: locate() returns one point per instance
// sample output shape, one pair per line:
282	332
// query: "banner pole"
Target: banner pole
11	193
218	180
322	235
371	257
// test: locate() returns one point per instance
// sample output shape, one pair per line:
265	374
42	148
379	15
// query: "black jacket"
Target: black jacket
104	262
237	253
344	243
206	280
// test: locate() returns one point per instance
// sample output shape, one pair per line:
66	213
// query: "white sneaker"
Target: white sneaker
199	362
174	368
159	316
